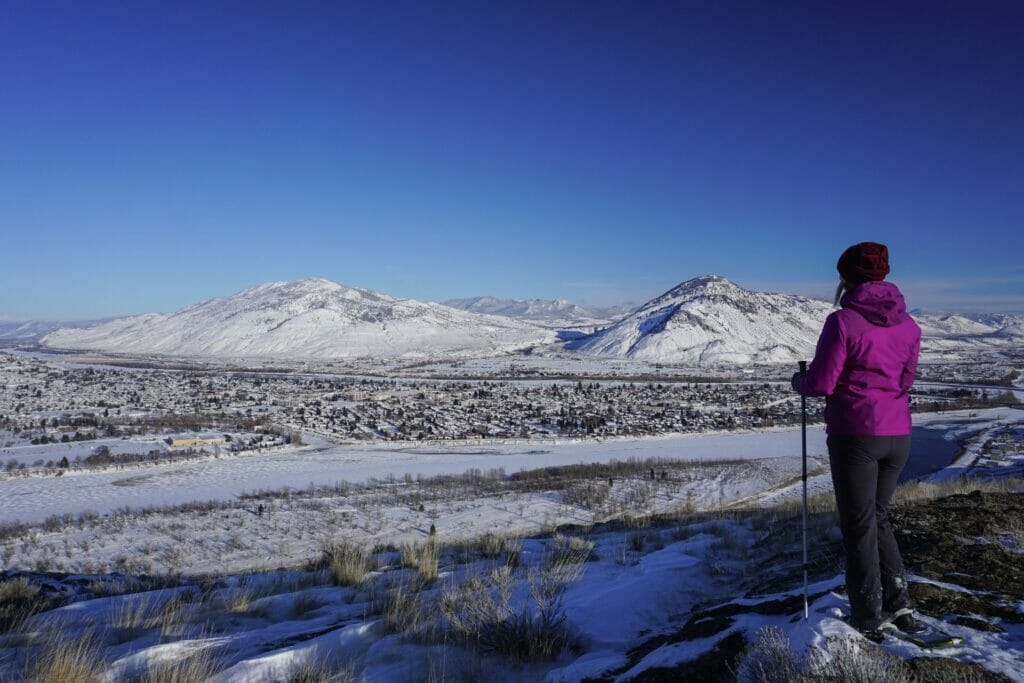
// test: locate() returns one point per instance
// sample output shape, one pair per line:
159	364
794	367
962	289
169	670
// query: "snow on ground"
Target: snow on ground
637	584
974	433
998	652
235	537
29	453
33	499
264	628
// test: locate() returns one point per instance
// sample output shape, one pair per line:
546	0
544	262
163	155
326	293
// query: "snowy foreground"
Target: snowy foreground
707	561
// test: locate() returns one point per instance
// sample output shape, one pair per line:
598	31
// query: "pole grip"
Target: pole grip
803	366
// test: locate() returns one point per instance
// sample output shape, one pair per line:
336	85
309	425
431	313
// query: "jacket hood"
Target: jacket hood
881	303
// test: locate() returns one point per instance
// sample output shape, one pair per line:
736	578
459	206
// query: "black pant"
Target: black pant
864	473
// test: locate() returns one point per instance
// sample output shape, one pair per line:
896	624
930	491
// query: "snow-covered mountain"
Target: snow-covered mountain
710	320
557	313
310	318
29	331
704	321
939	325
933	325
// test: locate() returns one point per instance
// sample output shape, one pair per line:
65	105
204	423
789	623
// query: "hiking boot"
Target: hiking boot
904	620
875	635
873	632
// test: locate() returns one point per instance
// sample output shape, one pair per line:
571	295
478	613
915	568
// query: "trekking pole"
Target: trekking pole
803	445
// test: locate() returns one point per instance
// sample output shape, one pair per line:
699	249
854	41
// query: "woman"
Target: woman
864	365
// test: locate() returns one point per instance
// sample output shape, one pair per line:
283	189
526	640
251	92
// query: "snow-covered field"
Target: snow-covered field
32	499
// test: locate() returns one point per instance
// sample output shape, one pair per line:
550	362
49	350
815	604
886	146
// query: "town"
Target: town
173	414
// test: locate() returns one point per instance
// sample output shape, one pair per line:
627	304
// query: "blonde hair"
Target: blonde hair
843	285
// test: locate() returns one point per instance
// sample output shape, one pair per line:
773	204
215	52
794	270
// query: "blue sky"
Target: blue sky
157	154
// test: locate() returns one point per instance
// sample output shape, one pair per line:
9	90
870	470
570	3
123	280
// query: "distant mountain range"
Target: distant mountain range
556	313
708	320
311	318
31	331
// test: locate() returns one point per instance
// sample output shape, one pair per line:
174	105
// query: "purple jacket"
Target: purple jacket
865	363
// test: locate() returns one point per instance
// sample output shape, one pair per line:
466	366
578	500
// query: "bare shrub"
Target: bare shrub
586	494
847	659
480	612
771	660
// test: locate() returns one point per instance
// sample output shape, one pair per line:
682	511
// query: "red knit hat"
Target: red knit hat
864	262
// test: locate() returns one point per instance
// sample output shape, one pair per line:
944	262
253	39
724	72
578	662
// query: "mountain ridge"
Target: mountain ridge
559	313
706	320
711	320
308	318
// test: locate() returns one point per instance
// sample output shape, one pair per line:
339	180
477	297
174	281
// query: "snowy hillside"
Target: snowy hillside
550	313
30	331
310	318
939	325
710	320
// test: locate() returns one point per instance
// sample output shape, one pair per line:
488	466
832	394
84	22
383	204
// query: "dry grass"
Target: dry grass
113	587
793	507
177	613
322	671
513	551
135	616
196	668
61	658
490	546
19	599
568	550
347	563
425	558
925	491
238	600
403	610
480	612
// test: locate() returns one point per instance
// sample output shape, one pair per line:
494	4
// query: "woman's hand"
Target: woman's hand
796	375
